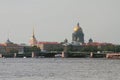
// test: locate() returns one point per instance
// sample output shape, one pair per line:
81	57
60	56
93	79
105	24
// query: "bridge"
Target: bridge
73	54
51	54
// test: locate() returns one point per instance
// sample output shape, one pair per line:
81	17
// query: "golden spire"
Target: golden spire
33	40
33	35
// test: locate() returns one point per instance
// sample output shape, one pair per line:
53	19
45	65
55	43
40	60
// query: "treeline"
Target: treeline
30	49
106	48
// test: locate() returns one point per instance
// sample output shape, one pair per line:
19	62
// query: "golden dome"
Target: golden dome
77	28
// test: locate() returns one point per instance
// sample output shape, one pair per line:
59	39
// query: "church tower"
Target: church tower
78	35
33	41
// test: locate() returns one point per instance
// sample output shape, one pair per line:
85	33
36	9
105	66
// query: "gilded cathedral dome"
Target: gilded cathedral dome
78	35
76	28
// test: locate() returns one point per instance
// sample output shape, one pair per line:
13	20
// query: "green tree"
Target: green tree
13	51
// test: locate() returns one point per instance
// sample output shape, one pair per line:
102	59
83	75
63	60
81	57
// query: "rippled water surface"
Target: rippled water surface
59	69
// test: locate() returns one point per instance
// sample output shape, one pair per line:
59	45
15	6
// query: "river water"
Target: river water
59	69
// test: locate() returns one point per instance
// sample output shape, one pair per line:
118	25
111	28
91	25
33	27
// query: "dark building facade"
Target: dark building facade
78	35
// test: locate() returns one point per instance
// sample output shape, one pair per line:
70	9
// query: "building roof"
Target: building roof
98	44
2	45
48	42
8	41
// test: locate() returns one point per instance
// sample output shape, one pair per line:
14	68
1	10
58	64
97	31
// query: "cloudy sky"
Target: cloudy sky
54	20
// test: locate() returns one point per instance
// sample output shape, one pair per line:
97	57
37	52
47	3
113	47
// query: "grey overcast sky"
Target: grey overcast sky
54	20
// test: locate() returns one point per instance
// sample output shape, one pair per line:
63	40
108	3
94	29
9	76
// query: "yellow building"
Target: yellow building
45	46
12	47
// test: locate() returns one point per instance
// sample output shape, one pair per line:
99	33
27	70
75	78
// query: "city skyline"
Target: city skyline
54	20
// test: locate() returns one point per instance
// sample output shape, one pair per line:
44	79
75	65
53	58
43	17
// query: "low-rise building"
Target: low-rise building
10	47
2	49
50	46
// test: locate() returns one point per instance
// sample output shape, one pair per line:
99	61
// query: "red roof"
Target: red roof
48	43
98	44
2	45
